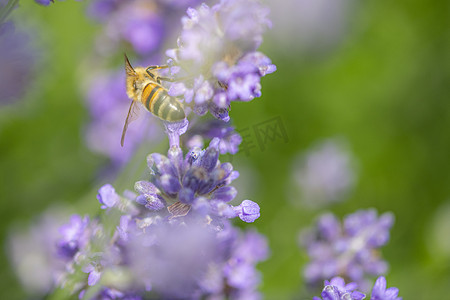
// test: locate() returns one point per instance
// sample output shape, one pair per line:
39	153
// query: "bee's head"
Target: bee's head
133	81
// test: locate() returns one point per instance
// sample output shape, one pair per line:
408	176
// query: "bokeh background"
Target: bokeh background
372	73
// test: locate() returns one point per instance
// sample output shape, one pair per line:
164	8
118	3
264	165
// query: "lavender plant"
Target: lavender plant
336	289
348	249
173	238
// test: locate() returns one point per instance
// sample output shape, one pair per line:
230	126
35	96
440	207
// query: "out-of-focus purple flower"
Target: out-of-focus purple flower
108	104
336	289
379	291
325	174
197	181
34	256
348	249
229	138
209	262
172	258
217	52
143	24
311	26
17	60
74	236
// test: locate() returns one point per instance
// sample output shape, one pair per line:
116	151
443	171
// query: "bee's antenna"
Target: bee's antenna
128	68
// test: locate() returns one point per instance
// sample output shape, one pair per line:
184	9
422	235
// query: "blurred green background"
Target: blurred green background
384	86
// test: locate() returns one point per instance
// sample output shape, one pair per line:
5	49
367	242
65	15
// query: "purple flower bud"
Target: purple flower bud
107	196
225	194
145	187
151	201
248	211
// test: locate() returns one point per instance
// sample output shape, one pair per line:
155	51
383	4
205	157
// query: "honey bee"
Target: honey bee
144	86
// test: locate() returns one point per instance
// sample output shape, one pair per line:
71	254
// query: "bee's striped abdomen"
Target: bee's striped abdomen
157	101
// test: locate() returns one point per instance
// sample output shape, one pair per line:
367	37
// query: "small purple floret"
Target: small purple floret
248	211
379	291
107	196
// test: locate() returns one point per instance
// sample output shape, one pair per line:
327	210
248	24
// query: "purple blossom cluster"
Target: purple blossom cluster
41	269
145	25
217	57
229	138
196	181
336	289
347	249
324	174
139	253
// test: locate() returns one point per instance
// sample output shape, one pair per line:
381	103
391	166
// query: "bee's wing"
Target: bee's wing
132	115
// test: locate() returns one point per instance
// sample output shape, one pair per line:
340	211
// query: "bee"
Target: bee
144	86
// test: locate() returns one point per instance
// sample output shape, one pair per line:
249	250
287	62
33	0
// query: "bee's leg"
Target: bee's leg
156	67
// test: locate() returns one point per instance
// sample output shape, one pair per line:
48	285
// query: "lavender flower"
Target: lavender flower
336	289
379	291
17	60
210	263
198	181
41	269
229	138
217	54
347	249
143	24
131	252
325	174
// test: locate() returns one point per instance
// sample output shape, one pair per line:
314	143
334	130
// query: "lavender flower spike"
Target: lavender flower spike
197	182
347	249
217	51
